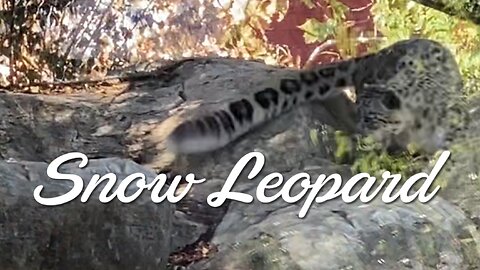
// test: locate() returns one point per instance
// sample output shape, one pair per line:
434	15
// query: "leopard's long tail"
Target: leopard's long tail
278	95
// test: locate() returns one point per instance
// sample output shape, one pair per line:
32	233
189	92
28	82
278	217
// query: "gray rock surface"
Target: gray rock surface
460	179
336	235
79	235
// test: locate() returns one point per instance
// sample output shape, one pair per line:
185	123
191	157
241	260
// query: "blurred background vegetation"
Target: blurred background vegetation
49	41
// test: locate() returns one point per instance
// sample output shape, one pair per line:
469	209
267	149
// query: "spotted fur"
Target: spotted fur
404	94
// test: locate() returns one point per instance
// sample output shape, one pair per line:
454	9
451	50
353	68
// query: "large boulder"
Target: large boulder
79	235
337	235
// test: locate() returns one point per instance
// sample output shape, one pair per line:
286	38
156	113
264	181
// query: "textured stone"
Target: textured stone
336	235
79	235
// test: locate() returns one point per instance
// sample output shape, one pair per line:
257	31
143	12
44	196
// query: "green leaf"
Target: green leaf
314	31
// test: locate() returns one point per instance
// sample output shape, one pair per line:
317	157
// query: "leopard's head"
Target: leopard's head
417	103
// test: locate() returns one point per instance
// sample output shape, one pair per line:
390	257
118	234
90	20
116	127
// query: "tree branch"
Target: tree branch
465	9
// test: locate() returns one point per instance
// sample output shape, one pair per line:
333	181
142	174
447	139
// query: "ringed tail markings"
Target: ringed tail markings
242	115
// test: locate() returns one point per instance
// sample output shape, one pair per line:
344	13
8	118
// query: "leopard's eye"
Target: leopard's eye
391	101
